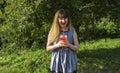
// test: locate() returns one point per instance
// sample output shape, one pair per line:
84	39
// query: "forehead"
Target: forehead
62	16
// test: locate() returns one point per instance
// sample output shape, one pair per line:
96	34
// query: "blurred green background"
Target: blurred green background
24	26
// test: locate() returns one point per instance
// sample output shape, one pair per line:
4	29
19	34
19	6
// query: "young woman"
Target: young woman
63	42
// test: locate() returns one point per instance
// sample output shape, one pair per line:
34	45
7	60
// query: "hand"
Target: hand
67	44
61	44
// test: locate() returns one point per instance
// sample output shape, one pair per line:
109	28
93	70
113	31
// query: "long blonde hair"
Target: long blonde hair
55	28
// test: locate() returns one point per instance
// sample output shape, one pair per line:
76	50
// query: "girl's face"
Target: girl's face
63	22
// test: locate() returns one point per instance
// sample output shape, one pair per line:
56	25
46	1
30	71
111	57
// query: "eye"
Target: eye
59	17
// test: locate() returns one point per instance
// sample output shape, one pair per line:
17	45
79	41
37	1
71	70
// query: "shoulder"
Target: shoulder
72	29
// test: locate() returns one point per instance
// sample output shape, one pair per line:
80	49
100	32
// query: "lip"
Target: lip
63	23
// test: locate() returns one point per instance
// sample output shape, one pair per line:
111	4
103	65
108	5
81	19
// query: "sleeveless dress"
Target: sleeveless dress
64	59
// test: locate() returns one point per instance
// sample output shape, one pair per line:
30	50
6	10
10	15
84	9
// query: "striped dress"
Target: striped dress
64	59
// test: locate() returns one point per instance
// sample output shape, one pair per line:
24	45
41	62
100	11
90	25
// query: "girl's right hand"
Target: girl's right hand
61	44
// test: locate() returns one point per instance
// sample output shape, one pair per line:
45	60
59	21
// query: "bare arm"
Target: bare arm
74	46
50	46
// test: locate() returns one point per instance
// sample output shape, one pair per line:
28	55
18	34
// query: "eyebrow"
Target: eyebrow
62	17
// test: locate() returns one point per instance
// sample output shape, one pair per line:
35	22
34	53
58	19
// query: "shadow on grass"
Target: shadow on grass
102	60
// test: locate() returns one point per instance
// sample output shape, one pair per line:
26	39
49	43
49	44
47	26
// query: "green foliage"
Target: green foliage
25	61
107	26
96	56
26	23
99	56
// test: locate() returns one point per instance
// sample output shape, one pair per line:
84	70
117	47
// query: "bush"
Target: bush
25	23
107	27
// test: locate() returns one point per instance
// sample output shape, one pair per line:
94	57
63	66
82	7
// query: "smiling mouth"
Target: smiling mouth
63	23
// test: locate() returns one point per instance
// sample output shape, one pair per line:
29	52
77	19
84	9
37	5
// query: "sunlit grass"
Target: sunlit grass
99	56
25	61
96	56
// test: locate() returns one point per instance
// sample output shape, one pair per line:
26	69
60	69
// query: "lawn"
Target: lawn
95	56
99	56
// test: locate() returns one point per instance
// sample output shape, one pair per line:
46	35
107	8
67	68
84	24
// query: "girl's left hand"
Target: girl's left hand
67	44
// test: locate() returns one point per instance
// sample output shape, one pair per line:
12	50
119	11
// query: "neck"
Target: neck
64	29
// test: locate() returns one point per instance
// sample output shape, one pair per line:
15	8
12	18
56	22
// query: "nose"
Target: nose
63	20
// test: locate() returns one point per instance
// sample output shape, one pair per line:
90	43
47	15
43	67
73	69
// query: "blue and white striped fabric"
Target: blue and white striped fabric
64	59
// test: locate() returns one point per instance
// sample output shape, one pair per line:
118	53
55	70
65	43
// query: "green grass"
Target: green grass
99	56
96	56
25	61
